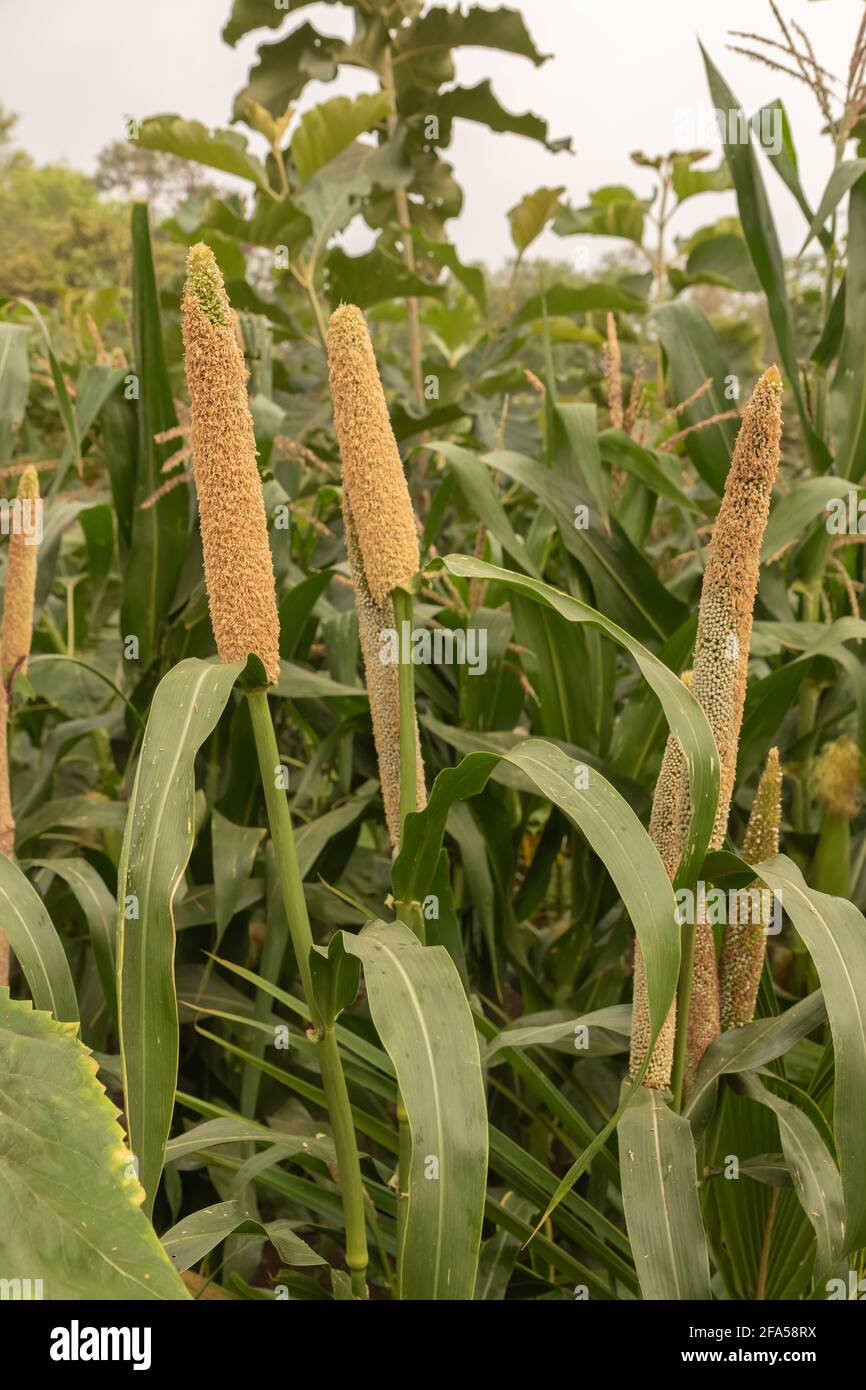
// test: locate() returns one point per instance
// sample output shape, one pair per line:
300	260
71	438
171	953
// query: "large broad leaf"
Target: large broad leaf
531	215
480	104
326	130
260	14
159	533
424	48
284	69
611	211
36	944
156	847
373	278
218	149
423	1020
70	1202
660	1200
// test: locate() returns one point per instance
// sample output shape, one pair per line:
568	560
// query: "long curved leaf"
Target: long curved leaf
156	846
423	1020
684	715
816	1177
36	944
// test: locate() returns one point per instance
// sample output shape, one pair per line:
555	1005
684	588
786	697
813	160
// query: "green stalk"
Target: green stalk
831	870
330	1064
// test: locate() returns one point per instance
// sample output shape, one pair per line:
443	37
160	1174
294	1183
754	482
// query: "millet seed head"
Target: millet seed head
239	572
744	944
666	833
382	686
373	477
722	643
21	580
836	777
731	581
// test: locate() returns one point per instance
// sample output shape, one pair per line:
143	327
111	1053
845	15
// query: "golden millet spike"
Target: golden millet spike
665	831
21	580
731	582
373	477
382	685
238	569
743	945
722	650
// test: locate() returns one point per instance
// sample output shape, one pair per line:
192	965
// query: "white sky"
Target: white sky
623	74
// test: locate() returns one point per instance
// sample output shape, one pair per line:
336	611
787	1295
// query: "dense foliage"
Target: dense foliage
387	1056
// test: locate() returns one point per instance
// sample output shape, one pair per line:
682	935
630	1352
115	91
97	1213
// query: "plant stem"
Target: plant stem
330	1063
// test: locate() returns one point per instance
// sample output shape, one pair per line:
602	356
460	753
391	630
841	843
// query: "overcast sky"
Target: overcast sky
625	74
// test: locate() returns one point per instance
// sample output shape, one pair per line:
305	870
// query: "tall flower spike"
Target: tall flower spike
21	577
743	945
381	538
722	650
665	833
373	476
238	569
382	686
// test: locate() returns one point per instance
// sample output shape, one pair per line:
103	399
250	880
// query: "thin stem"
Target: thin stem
761	1290
330	1063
